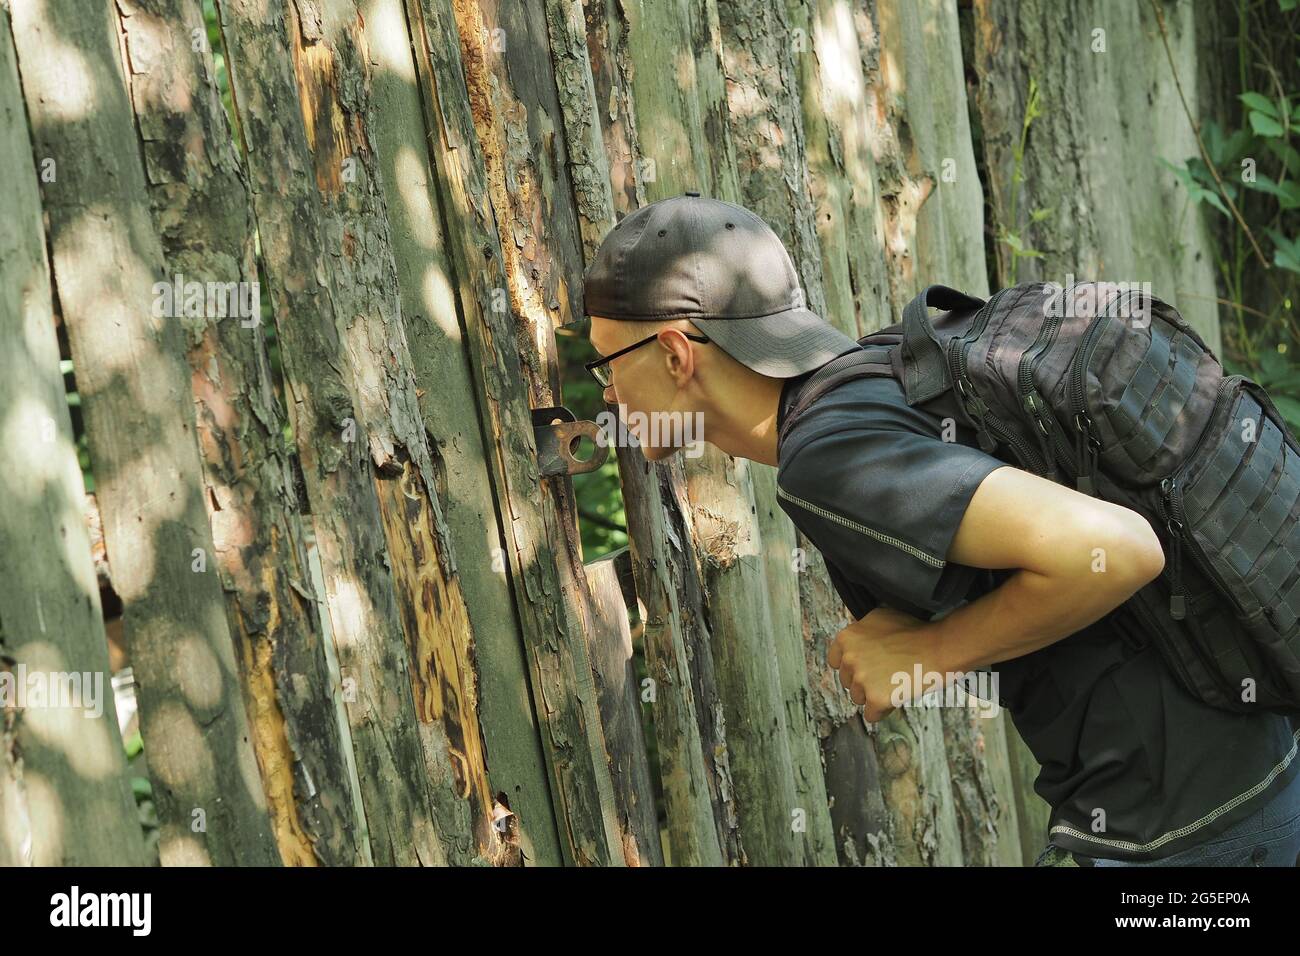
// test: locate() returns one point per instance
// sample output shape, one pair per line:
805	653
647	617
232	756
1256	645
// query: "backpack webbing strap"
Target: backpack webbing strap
860	363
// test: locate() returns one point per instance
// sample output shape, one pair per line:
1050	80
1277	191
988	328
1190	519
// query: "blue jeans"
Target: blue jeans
1268	837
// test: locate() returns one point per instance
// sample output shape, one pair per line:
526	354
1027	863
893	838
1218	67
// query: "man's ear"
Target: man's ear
679	358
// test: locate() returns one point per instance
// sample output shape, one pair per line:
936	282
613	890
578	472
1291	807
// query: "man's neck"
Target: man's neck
747	428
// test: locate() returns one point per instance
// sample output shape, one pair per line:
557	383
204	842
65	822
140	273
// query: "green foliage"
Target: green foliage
133	745
1254	166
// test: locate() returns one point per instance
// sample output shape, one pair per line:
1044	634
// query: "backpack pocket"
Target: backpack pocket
1233	509
1140	391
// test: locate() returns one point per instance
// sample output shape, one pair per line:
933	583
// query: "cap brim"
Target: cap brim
781	345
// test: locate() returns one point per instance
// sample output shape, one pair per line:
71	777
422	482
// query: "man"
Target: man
946	556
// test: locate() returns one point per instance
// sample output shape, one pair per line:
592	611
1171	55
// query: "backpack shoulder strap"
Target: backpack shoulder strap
863	362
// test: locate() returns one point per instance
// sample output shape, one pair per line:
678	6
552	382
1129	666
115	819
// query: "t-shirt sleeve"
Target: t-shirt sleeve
884	504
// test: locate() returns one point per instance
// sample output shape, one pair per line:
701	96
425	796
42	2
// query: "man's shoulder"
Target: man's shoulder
871	407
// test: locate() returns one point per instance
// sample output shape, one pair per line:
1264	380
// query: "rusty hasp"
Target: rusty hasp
557	433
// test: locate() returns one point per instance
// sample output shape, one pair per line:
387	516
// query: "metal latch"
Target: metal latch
557	434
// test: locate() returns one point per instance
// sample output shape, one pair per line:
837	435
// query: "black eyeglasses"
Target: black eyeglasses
600	371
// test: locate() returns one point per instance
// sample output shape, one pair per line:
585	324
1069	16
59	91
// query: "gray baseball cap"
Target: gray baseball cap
722	267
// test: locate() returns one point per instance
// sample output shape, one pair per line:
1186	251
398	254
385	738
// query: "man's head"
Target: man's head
694	266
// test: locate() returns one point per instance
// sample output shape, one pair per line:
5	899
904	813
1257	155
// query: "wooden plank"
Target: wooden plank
618	694
202	213
355	420
446	395
766	131
65	799
136	395
935	160
541	550
842	172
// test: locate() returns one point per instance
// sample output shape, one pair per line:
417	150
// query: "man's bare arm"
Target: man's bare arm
1060	539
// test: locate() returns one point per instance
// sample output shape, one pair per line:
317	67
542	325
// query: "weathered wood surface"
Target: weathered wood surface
542	565
618	694
201	211
353	411
665	580
137	400
446	395
65	799
419	184
1092	164
685	145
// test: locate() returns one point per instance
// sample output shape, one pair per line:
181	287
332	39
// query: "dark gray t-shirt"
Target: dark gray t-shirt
1132	765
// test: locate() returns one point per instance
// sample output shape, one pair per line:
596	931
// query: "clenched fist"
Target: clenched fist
870	651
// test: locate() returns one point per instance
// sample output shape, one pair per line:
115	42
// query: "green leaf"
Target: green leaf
1287	153
1288	384
1286	5
1014	242
1264	125
1286	251
141	787
1237	144
133	745
1259	103
1212	134
1287	193
1195	191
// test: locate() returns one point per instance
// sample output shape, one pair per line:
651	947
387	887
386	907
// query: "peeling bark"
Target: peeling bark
542	557
446	398
300	97
201	211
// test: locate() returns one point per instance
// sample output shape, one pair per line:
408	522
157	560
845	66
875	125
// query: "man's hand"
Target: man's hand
872	650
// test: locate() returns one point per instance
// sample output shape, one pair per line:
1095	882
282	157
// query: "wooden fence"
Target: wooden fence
356	610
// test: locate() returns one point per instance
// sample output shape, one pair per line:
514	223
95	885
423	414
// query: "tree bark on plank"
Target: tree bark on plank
446	396
842	175
202	214
540	554
689	782
398	620
136	395
65	798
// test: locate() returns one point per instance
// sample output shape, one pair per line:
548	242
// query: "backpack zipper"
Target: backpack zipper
988	424
956	358
1148	620
1087	445
1029	396
1171	497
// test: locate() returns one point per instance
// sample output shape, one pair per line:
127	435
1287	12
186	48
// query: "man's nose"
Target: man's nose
610	396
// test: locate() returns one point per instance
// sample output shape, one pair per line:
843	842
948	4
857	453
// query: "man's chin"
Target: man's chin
657	453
